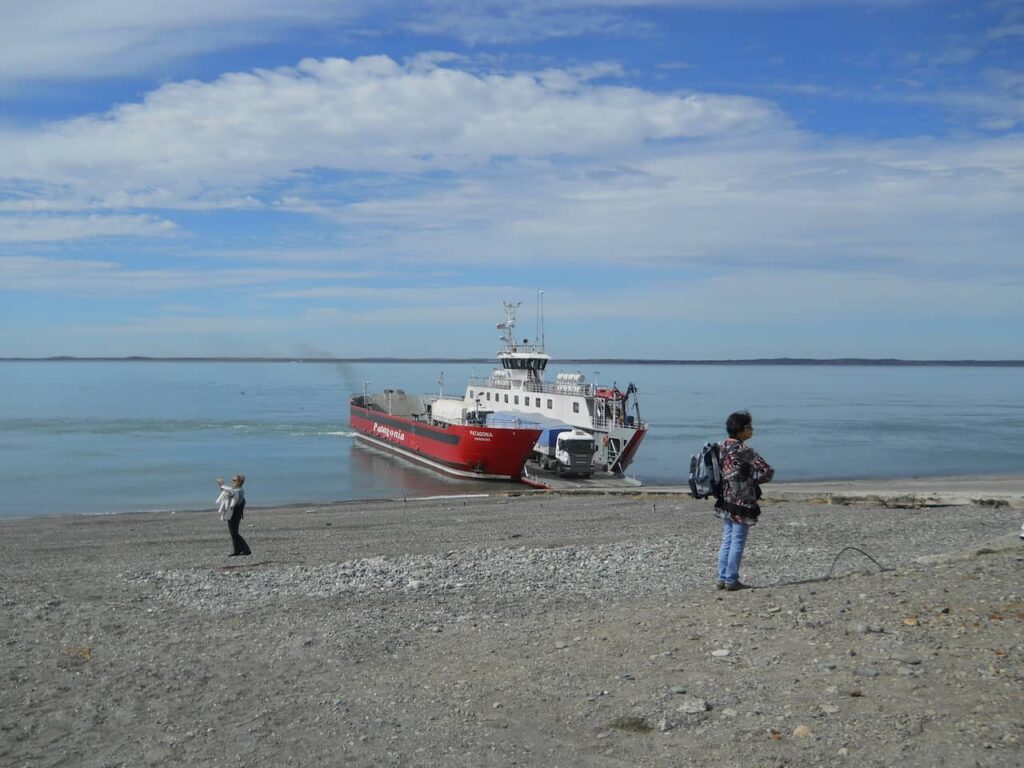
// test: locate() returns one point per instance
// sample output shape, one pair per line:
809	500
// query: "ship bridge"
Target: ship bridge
522	361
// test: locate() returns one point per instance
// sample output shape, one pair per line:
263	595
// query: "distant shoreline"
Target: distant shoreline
768	361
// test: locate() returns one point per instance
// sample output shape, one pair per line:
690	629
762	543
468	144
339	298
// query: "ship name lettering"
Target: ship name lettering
480	435
393	434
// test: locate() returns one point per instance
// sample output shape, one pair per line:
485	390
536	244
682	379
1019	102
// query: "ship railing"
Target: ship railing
529	348
515	423
544	388
604	423
502	383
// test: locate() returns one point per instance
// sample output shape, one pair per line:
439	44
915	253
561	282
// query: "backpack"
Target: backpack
706	473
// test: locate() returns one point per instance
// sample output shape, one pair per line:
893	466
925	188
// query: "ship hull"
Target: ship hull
478	452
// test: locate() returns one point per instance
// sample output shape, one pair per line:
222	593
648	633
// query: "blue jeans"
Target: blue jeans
734	538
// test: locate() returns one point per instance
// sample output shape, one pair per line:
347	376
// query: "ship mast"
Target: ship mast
540	318
509	326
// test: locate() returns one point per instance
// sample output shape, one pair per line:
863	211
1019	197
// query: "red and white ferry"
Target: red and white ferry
445	433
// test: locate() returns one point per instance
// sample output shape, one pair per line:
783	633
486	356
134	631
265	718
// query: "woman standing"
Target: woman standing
232	505
743	471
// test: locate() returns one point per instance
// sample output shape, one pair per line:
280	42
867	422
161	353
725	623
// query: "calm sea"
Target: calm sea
96	437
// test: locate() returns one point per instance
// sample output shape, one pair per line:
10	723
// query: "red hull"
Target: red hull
479	452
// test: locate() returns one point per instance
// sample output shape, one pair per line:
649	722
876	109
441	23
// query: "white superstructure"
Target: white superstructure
610	415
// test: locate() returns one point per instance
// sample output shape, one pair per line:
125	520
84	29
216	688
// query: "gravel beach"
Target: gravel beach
533	629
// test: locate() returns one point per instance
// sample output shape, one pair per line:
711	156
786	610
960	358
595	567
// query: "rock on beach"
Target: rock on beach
529	629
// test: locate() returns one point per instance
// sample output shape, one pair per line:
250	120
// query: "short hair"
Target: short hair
737	422
240	479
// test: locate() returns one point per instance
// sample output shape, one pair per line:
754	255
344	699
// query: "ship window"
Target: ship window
516	399
471	394
488	395
550	404
537	399
506	398
575	407
524	363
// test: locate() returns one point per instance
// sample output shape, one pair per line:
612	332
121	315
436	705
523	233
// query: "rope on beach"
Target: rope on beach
855	549
832	569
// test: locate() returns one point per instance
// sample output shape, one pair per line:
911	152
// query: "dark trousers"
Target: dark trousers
241	548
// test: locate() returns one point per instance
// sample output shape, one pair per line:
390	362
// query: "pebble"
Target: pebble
720	653
911	660
693	706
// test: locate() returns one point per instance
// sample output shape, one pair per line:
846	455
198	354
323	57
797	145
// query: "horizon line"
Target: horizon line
850	361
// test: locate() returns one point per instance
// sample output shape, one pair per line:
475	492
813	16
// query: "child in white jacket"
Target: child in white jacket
231	504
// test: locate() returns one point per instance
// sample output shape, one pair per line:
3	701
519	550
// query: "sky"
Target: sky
682	179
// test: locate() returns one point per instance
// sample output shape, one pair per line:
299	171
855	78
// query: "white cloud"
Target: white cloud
648	319
70	39
537	169
895	207
65	228
88	38
1008	30
502	22
98	277
996	103
199	141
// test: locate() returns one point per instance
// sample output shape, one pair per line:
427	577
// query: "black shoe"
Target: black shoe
736	586
234	554
721	585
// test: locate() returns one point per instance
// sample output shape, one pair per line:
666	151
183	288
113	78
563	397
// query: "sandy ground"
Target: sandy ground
886	628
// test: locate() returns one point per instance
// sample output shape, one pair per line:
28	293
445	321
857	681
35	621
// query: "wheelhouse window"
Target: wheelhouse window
524	363
516	399
537	401
550	404
506	398
575	407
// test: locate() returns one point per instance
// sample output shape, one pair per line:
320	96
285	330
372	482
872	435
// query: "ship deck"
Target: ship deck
538	477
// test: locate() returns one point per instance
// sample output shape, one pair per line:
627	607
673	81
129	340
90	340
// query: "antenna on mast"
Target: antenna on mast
540	321
509	326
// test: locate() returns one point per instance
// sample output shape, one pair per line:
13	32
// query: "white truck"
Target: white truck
566	450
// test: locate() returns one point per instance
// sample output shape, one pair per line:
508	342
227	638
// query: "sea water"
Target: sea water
98	437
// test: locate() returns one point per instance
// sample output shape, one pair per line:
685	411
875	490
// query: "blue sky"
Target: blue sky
682	178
